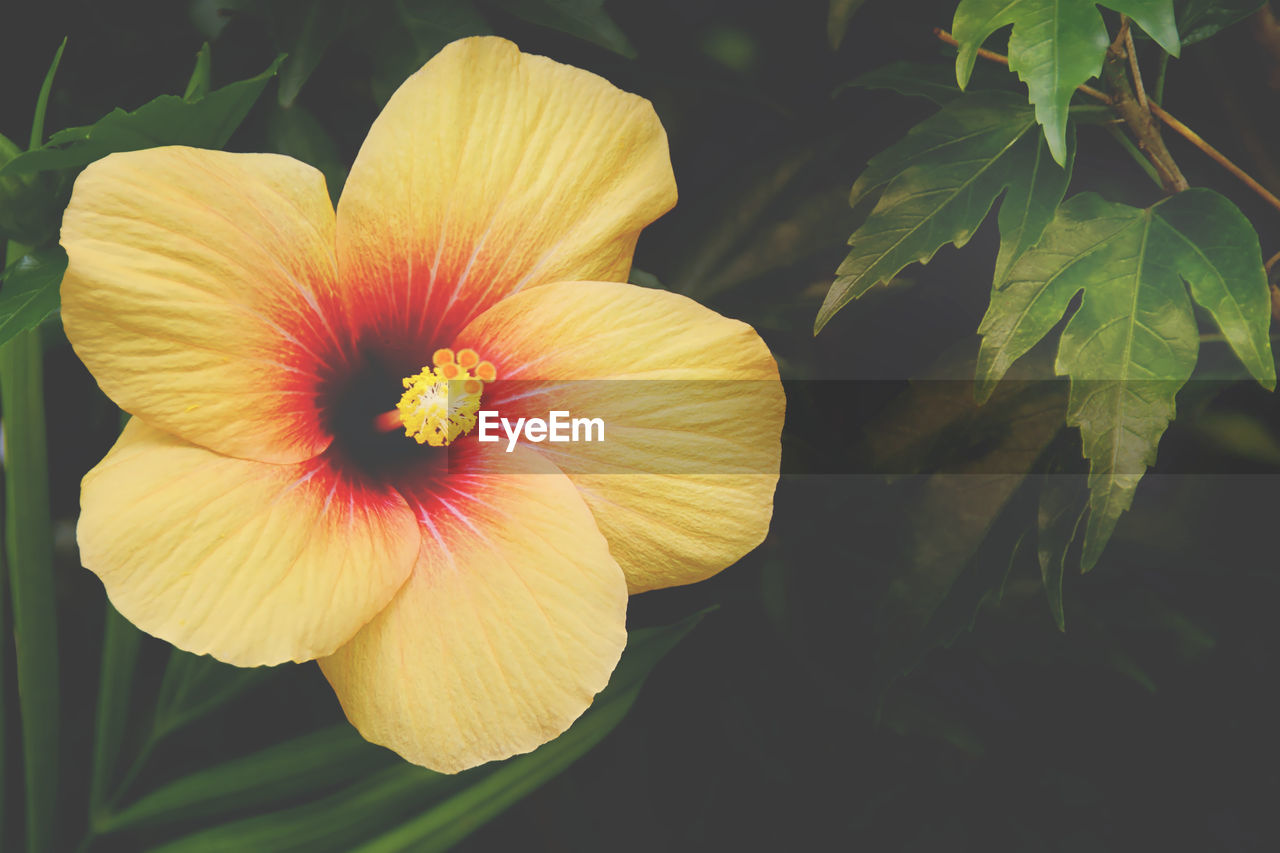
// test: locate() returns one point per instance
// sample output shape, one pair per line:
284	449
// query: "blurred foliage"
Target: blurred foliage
887	671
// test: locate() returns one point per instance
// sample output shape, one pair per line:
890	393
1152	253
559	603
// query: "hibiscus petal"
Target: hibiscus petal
490	171
512	621
682	485
193	293
250	562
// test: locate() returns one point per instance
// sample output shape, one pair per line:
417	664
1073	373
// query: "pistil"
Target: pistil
441	401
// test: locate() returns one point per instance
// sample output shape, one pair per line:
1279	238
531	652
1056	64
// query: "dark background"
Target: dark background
836	698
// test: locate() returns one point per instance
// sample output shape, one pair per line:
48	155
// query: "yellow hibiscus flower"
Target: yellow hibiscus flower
465	604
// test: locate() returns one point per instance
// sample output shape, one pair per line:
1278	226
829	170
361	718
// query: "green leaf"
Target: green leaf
29	291
839	14
1220	258
42	100
120	644
301	767
335	822
31	205
1056	45
28	542
167	120
1133	342
939	183
201	76
1028	206
584	19
296	132
462	803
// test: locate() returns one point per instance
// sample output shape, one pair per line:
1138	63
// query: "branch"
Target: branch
1141	124
1160	113
1214	154
946	38
1133	61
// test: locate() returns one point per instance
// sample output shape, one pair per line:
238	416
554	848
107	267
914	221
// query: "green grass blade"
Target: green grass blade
471	808
42	100
29	548
120	643
295	769
453	819
360	813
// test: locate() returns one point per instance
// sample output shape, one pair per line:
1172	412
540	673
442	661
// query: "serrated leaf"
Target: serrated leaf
1221	260
300	767
29	291
373	811
1056	45
939	183
1029	204
167	120
584	19
1133	342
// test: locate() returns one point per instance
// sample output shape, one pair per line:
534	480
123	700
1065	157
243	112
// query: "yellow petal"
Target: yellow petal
194	292
491	171
250	562
512	621
682	485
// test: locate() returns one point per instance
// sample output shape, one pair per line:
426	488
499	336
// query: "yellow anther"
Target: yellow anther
441	402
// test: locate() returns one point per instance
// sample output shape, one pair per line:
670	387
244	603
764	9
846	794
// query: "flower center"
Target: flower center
440	402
